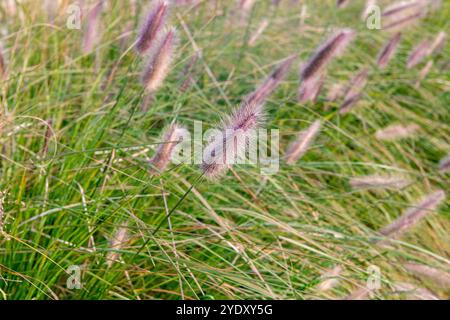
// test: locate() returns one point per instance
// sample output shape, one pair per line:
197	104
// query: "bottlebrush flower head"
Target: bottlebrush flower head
441	278
331	48
304	140
387	53
151	27
396	131
354	90
413	215
379	182
260	95
92	31
159	62
420	52
232	139
172	136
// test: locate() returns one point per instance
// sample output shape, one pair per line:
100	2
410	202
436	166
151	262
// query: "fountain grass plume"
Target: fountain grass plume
332	47
92	31
261	94
152	27
441	278
172	136
354	90
420	52
232	139
304	140
413	215
396	131
379	182
387	53
159	61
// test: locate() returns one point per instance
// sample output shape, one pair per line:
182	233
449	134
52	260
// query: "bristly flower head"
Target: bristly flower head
118	241
396	131
231	141
420	52
172	136
379	182
159	61
441	278
414	214
388	51
333	47
151	27
354	90
260	95
401	14
92	32
304	140
312	72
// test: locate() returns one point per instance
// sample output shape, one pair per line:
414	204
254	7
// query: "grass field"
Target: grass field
77	133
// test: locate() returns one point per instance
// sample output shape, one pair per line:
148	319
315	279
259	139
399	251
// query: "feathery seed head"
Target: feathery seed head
396	131
421	51
231	141
172	136
388	51
92	32
333	47
354	90
260	95
159	61
413	215
151	27
379	182
304	140
441	278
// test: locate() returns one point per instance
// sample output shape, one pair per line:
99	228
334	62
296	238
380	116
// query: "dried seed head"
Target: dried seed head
159	62
414	293
333	47
304	140
354	90
402	7
260	95
92	32
444	164
309	89
187	74
388	51
441	278
438	42
359	294
379	182
396	131
413	215
151	27
118	241
232	140
421	51
330	278
164	153
402	14
262	26
424	72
